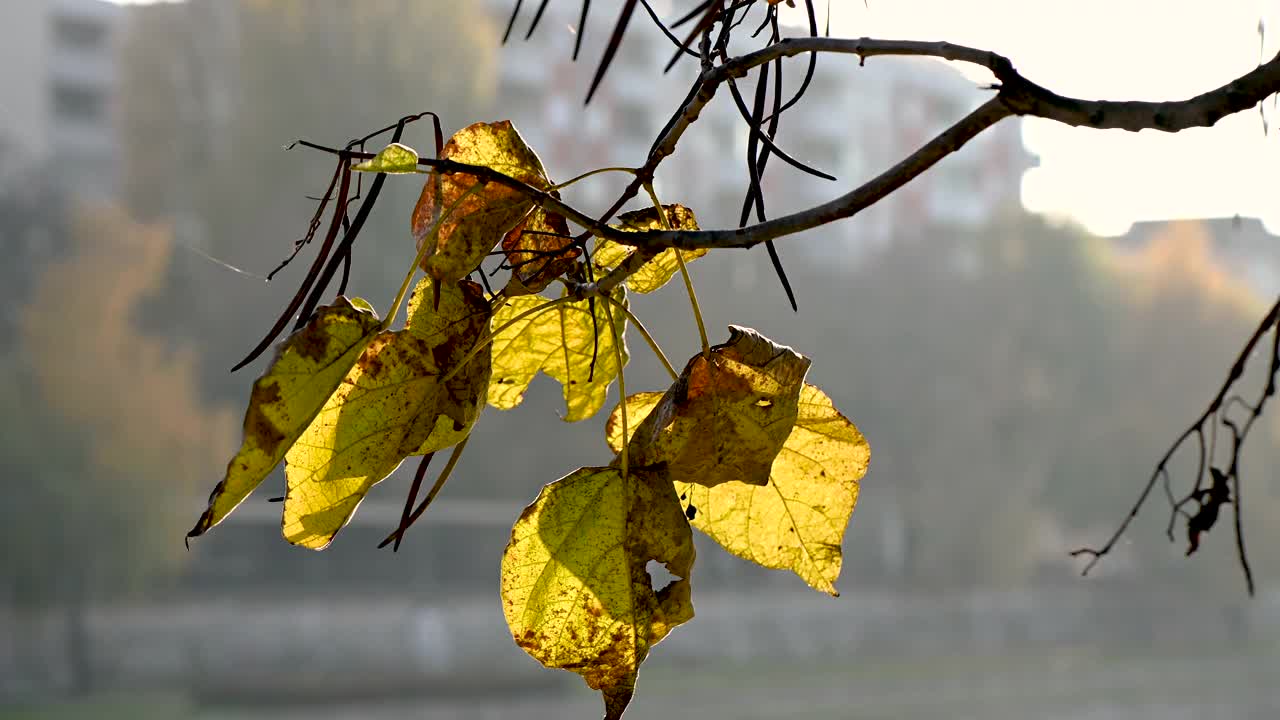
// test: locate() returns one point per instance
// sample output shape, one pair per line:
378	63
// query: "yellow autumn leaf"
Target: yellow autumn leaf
307	369
575	588
452	331
639	405
797	521
658	271
479	212
394	159
727	416
389	406
562	342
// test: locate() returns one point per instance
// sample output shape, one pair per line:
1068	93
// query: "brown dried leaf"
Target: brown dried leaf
726	418
476	213
538	251
797	521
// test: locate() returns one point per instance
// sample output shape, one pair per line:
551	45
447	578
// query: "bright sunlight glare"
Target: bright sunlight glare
1132	50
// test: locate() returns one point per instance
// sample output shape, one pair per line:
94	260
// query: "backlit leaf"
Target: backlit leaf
451	331
482	212
389	406
394	159
726	418
797	521
538	250
658	271
561	342
306	370
575	588
639	405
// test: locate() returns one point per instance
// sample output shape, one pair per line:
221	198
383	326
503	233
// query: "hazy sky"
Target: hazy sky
1117	49
1114	49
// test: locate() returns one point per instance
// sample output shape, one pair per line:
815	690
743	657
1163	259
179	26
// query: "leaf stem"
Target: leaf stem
589	173
622	387
697	311
684	273
431	494
428	242
653	344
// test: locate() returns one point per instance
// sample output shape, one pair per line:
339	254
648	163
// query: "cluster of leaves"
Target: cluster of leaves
739	446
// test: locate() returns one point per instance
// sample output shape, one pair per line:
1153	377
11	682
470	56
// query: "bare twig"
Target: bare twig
1225	484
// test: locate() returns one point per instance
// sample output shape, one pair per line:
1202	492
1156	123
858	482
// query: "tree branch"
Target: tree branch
847	205
1025	97
1016	96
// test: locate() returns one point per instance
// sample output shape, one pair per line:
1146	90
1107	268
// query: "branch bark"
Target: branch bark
1015	95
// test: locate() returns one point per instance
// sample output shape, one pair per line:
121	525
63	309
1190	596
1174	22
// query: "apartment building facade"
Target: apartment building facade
60	82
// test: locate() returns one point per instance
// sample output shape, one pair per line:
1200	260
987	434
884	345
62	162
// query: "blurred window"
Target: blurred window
78	103
81	34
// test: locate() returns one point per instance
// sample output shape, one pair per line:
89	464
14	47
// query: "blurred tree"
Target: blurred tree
106	433
966	382
1042	373
1176	318
214	88
105	437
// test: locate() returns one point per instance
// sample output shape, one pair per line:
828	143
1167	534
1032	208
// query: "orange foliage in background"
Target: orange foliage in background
1180	259
133	396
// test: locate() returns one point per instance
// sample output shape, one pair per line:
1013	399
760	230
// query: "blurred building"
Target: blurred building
855	122
60	90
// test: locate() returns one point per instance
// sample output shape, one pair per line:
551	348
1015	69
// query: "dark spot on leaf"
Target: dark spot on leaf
312	343
370	363
442	355
265	393
690	512
256	424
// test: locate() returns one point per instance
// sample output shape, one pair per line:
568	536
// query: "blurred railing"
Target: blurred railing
353	644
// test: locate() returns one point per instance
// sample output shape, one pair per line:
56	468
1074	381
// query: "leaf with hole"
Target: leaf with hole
576	590
797	521
307	369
